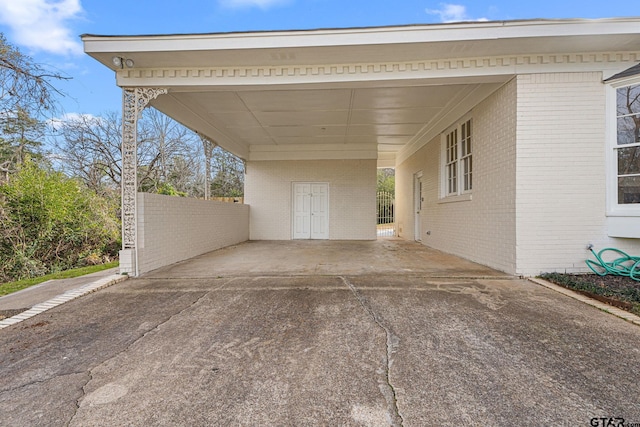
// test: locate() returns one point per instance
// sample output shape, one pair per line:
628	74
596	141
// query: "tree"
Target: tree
89	147
228	174
386	181
24	84
185	175
170	156
168	152
26	92
20	139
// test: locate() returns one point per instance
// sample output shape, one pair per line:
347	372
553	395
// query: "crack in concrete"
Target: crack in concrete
83	394
89	372
387	390
51	378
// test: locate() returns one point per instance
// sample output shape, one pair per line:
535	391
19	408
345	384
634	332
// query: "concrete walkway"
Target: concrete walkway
19	306
37	294
320	333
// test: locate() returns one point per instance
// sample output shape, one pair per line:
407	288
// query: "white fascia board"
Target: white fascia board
361	36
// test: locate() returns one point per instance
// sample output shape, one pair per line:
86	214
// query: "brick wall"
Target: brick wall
352	196
539	184
172	229
561	172
481	229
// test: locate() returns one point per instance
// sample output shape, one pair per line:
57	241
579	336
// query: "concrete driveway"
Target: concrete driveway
321	333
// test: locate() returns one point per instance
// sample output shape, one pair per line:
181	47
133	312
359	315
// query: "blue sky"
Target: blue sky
49	30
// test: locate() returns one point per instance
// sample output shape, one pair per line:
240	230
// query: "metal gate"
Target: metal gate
386	224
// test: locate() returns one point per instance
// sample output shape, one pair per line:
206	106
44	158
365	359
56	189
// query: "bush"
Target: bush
51	222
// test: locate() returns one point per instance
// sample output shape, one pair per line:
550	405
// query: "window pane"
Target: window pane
452	146
628	160
628	100
465	174
629	190
628	130
452	178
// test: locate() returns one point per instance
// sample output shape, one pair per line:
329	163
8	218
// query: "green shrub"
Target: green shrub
168	190
50	222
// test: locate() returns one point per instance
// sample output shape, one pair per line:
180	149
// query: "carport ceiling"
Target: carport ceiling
387	116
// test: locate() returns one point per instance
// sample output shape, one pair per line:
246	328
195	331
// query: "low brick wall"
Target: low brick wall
172	229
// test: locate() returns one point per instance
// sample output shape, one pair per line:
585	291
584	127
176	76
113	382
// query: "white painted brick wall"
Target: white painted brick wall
561	172
483	229
352	203
172	229
541	217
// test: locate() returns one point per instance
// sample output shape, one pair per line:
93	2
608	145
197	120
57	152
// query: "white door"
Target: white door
310	210
418	199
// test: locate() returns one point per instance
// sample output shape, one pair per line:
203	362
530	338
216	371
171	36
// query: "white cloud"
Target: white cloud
58	123
262	4
42	24
452	13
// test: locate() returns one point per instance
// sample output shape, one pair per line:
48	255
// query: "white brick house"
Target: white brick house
509	139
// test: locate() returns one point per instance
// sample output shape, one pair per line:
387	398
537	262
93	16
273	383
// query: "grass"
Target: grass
10	287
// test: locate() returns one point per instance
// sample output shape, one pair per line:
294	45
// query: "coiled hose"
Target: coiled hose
624	265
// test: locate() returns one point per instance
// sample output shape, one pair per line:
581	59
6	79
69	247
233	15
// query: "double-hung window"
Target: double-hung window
623	154
627	146
458	159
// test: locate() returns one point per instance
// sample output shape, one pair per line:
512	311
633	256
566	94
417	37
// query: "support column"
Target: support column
208	147
134	101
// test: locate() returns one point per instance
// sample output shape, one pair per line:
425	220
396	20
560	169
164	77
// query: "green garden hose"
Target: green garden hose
624	265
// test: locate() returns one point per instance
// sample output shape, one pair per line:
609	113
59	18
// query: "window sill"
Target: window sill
453	199
624	211
623	226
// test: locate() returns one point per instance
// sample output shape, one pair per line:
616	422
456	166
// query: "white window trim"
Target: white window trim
460	194
615	209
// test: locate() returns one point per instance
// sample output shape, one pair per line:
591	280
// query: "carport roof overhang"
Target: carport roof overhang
352	93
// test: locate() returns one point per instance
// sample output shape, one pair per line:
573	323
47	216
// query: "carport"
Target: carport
314	113
277	98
